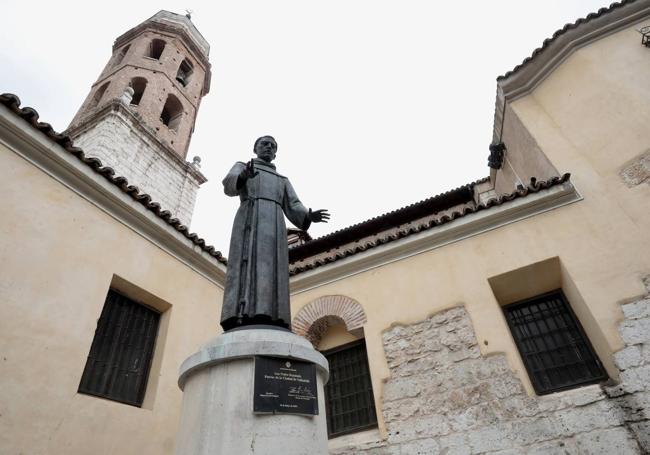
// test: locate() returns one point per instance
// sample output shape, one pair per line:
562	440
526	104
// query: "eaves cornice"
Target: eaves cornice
468	226
525	77
54	160
532	71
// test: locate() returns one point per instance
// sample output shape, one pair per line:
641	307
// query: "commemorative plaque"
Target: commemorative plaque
284	386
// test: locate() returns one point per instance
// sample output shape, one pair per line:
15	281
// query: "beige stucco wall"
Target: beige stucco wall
595	102
59	256
590	117
524	158
336	335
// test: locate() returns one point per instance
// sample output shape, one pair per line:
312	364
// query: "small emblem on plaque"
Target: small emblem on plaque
288	364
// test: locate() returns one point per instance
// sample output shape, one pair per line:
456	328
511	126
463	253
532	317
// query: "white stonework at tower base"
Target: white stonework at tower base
121	142
217	416
139	115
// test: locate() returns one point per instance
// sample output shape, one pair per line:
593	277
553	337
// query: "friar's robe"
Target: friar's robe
257	280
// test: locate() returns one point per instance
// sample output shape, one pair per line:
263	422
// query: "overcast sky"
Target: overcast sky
374	104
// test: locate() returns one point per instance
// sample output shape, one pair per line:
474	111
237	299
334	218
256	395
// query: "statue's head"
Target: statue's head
265	148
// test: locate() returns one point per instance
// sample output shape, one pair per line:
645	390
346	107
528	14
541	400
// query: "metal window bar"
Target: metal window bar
349	400
553	346
120	356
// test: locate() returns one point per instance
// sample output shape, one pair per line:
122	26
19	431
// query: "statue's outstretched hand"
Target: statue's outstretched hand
319	216
249	172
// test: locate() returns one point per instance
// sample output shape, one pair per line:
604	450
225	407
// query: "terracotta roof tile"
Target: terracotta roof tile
562	31
336	252
386	221
361	237
32	117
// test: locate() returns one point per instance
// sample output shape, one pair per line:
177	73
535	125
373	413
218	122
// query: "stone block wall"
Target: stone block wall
443	397
638	171
119	142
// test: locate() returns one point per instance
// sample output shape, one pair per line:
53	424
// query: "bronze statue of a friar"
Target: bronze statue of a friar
257	280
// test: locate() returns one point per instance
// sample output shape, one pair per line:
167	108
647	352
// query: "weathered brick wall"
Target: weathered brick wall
160	75
313	320
117	142
444	397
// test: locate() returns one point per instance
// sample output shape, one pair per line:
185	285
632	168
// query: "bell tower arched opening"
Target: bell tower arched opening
121	54
153	83
184	73
156	48
172	113
99	94
138	84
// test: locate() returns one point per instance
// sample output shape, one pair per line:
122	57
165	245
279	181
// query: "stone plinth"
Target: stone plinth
217	382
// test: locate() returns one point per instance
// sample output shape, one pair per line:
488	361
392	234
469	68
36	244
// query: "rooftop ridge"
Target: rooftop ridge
558	33
377	224
31	116
534	187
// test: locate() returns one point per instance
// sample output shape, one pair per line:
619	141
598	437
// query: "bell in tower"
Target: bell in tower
139	115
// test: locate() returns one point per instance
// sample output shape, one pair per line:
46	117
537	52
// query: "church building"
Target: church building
510	315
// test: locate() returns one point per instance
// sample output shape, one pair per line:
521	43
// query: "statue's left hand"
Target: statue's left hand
319	216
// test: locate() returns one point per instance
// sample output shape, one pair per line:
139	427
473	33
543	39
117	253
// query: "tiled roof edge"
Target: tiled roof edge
534	187
547	42
31	116
371	223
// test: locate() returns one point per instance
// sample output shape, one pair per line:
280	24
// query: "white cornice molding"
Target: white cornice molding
38	149
455	231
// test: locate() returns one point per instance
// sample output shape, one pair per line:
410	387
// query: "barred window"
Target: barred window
350	405
118	364
552	344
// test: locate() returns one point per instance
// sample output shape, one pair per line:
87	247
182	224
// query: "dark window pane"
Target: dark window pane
120	355
348	394
552	344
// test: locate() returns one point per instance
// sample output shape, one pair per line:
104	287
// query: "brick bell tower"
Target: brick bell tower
139	115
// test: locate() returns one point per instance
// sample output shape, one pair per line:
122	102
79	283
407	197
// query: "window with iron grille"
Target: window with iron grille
349	401
552	344
120	355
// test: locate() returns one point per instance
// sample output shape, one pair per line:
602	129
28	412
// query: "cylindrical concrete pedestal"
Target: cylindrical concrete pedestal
217	382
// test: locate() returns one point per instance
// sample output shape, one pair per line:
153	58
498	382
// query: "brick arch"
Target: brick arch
313	320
